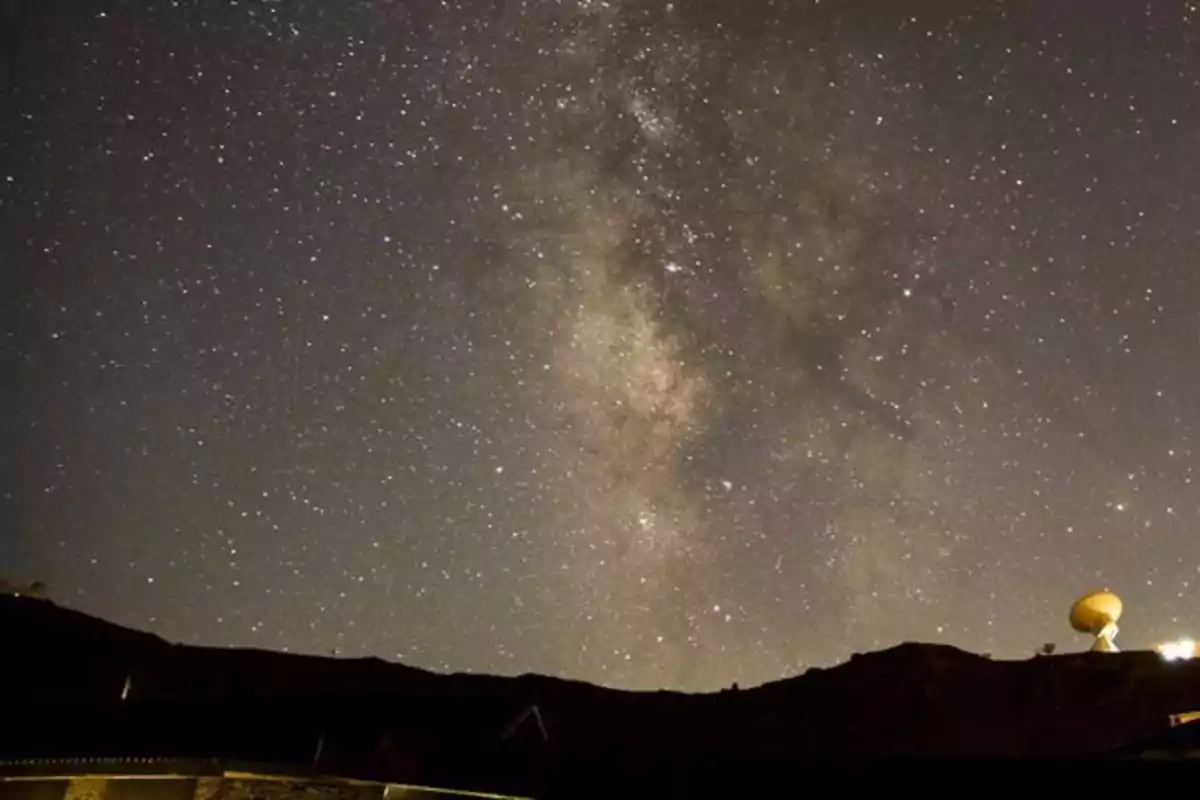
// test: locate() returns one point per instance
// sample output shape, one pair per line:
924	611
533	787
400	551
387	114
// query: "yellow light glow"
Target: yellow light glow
1179	650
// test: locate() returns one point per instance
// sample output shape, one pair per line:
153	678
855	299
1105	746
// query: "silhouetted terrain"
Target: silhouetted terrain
139	696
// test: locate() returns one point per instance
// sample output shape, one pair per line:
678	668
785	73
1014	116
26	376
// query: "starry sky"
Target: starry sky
653	344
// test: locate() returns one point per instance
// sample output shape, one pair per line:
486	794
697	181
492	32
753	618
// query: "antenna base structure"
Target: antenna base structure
1104	639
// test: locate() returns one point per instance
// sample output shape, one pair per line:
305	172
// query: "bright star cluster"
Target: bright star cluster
652	344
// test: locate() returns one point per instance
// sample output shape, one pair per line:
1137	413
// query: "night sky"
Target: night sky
653	344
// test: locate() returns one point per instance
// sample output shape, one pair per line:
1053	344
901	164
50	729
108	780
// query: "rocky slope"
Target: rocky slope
371	715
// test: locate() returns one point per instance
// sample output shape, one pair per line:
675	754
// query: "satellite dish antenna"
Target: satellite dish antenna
1096	613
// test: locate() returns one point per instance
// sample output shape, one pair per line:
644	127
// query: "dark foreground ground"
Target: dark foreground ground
81	696
684	777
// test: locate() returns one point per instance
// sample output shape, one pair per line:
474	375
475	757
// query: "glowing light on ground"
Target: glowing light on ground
1179	650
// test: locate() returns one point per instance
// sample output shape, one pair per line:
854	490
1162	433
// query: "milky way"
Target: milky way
654	344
